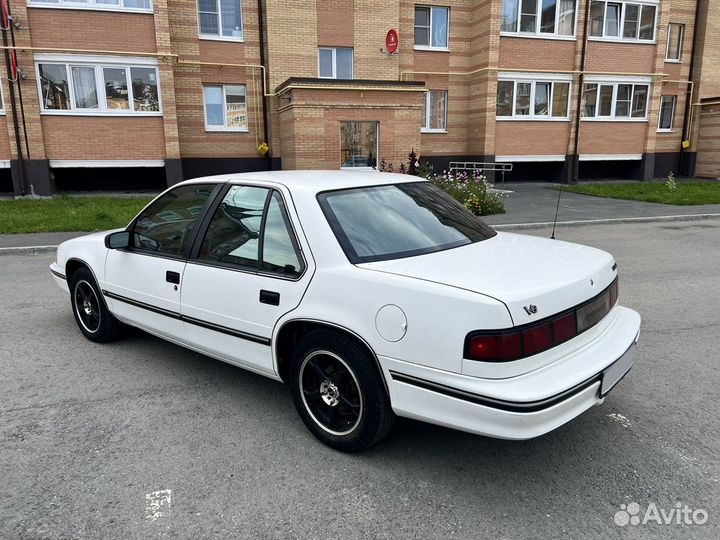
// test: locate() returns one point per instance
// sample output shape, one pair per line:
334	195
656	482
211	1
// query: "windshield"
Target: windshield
379	223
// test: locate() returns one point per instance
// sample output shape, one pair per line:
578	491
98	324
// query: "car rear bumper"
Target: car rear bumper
520	407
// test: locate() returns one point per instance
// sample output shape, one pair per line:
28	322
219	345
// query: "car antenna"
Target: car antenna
557	208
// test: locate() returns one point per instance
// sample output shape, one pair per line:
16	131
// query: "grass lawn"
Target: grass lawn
68	214
686	194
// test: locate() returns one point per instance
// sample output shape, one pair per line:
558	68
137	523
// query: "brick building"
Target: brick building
143	93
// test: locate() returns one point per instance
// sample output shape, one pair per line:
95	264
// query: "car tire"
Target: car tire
90	310
339	392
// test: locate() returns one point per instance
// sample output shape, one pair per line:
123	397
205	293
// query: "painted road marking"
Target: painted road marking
158	504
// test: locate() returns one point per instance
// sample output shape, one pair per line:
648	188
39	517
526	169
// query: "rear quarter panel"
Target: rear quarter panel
438	317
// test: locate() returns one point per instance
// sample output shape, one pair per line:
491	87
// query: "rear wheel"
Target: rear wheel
91	313
339	392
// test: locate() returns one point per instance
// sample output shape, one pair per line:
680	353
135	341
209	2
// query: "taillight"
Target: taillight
516	343
502	347
565	327
537	339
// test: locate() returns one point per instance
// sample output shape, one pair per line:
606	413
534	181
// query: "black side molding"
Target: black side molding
511	406
57	274
190	320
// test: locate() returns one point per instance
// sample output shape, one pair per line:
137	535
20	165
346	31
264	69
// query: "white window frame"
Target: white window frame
614	82
334	62
219	36
621	22
98	63
430	47
672	114
677	60
91	5
426	119
534	79
225	127
2	100
537	34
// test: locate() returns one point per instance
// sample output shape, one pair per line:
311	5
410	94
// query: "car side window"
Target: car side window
233	236
250	230
280	253
166	226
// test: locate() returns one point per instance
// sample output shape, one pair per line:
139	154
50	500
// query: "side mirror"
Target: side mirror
118	240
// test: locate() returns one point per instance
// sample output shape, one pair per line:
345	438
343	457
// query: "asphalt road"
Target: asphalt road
89	432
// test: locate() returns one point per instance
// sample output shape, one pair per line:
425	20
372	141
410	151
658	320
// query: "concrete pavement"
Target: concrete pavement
92	437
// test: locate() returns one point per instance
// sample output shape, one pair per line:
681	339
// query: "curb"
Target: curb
42	250
611	221
27	250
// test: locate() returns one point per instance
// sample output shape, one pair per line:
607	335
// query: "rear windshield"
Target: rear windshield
379	223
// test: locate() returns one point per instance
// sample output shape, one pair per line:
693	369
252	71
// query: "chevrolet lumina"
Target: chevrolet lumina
370	294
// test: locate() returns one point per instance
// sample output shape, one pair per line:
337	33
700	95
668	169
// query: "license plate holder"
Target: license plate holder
616	371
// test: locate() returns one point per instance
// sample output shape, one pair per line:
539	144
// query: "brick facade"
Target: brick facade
304	120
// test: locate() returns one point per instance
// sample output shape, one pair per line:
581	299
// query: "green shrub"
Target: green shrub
471	190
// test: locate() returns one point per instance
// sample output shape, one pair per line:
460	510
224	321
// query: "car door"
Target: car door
143	282
248	269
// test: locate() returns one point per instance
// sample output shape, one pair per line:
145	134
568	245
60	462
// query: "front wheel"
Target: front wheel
91	313
339	393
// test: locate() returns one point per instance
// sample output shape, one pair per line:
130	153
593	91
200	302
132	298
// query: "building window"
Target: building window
627	21
431	27
335	63
220	19
105	5
616	101
98	89
226	107
667	113
532	100
539	17
358	144
435	111
673	51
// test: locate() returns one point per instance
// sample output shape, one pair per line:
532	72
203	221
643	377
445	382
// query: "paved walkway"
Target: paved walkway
529	203
534	203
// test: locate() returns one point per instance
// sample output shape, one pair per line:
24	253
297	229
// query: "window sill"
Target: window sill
225	130
101	113
616	120
671	61
531	119
231	39
428	48
426	130
623	40
666	131
556	37
80	7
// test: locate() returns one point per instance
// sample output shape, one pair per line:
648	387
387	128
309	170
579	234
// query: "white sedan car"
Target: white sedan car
371	295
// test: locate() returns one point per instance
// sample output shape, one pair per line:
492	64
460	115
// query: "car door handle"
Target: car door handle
172	277
269	297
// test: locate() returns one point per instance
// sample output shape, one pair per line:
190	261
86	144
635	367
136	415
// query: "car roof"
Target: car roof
313	180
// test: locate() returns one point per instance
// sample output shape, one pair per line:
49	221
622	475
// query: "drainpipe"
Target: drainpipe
261	24
689	99
581	85
13	105
19	86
